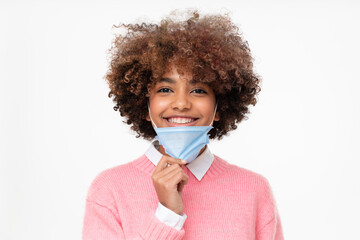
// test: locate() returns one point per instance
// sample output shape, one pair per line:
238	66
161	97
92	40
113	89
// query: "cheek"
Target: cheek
206	107
158	105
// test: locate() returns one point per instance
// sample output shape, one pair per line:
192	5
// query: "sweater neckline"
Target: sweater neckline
199	166
217	168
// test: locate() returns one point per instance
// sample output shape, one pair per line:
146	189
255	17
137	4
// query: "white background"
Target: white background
58	129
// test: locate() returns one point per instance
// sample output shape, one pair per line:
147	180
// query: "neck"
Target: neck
162	151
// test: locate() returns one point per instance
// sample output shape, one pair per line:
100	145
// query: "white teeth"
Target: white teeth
181	120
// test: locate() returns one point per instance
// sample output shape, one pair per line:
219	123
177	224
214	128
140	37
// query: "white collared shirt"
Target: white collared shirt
199	166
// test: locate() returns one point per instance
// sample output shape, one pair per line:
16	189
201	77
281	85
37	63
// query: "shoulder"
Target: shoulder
256	187
248	179
109	179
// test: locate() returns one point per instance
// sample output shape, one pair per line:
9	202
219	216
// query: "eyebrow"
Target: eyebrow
170	80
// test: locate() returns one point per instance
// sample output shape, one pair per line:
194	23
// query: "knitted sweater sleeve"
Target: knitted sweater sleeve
268	220
102	221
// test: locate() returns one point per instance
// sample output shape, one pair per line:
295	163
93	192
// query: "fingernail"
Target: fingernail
183	161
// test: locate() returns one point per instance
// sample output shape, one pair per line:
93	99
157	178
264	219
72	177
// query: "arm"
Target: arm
271	230
103	221
268	223
100	222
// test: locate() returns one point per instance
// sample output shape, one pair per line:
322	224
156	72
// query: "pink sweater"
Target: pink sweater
228	203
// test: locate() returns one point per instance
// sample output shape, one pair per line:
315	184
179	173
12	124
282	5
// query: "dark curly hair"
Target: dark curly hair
210	47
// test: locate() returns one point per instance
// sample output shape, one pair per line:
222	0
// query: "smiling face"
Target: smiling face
178	101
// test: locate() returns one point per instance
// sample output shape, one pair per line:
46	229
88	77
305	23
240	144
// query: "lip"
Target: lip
180	124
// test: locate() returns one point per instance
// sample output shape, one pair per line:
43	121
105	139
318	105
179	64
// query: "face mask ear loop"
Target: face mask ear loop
214	115
150	115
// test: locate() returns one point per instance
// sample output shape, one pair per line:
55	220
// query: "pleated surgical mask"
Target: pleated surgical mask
183	142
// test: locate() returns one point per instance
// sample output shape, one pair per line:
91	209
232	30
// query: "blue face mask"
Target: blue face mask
183	142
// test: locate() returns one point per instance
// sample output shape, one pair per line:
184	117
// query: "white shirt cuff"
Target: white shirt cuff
169	217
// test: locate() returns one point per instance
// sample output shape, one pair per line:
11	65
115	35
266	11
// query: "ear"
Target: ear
217	116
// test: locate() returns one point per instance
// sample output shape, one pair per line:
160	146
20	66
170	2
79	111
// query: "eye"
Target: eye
164	90
200	91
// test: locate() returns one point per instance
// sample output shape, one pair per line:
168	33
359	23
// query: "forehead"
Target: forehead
173	74
177	71
175	81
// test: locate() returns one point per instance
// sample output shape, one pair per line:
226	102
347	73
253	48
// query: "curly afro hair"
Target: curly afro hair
210	47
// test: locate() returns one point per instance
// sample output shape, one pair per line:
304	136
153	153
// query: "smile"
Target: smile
181	120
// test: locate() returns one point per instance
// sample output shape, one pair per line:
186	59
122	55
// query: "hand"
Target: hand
169	181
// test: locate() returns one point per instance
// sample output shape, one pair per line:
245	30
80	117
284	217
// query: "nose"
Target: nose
181	102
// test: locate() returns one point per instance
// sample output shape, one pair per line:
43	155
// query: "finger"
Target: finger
181	186
165	160
174	177
167	170
159	173
183	182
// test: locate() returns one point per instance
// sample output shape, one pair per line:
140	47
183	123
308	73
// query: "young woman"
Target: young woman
181	82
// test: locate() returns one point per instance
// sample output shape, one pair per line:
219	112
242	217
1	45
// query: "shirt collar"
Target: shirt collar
199	166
